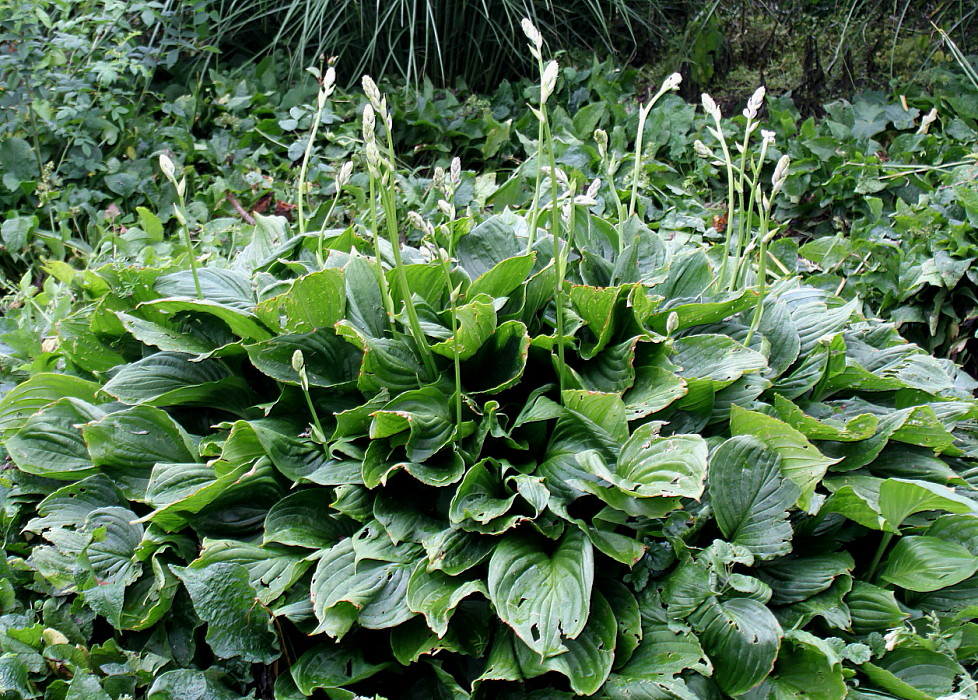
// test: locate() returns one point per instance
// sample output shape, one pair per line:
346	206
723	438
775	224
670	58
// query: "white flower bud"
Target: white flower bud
166	165
344	175
372	92
536	39
416	220
446	208
182	186
592	190
672	323
672	82
780	174
710	106
754	104
549	81
369	124
373	158
298	361
767	137
438	178
601	138
702	150
455	171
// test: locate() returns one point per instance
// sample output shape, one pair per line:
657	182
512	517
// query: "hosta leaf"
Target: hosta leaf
242	324
37	392
171	379
487	245
922	563
801	462
481	495
750	497
504	277
873	609
544	597
177	490
914	674
476	321
301	520
806	670
589	657
71	504
331	666
900	498
715	357
112	551
343	591
237	625
185	684
500	362
271	570
665	650
650	465
424	413
304	461
605	410
148	599
798	578
312	302
857	498
364	305
219	285
456	551
50	443
163	337
698	313
137	438
436	595
742	639
329	360
596	307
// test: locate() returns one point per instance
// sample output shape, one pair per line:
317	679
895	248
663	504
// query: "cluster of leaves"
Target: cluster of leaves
274	487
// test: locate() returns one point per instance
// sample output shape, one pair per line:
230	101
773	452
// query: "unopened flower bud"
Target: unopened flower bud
780	174
536	39
767	137
549	81
672	82
369	124
710	106
372	92
298	361
702	150
754	104
601	138
166	165
592	190
345	173
455	171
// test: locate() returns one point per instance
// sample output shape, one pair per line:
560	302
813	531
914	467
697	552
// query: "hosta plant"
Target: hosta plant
267	489
532	456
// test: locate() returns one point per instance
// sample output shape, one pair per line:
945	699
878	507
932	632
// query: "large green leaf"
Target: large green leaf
172	379
50	442
301	520
137	438
436	595
801	462
328	359
312	302
873	609
750	498
914	674
742	638
793	579
476	322
652	465
424	414
715	357
37	392
237	624
922	563
330	666
545	597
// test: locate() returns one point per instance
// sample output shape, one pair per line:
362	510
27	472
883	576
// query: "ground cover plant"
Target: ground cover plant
516	443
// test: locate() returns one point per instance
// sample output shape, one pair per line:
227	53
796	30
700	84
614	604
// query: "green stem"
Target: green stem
329	214
181	218
300	208
312	410
730	202
558	255
390	215
878	557
384	291
455	357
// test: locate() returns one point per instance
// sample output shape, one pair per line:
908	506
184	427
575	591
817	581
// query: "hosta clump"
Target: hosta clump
265	489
